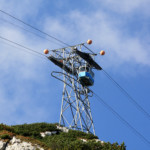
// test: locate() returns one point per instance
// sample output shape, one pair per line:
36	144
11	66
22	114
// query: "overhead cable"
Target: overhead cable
31	50
4	20
22	49
2	11
132	100
33	27
137	133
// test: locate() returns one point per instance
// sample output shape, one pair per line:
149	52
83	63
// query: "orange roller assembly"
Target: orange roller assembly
102	52
89	42
46	51
61	61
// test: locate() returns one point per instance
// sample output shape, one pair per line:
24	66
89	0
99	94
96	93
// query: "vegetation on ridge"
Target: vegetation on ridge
73	140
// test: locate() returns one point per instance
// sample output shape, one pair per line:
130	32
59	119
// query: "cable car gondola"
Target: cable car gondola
86	76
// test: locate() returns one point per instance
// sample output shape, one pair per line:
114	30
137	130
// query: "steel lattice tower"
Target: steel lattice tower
75	107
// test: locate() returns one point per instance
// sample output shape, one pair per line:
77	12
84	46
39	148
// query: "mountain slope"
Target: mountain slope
44	136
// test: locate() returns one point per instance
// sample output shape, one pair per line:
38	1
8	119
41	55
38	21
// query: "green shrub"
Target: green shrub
65	141
81	134
5	136
5	127
33	130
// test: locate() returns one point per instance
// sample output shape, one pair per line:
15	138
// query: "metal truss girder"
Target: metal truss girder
75	111
75	107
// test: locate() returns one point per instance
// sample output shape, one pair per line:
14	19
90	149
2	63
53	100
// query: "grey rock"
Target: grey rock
2	145
17	144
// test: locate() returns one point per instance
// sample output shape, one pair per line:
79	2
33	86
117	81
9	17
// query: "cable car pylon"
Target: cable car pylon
77	76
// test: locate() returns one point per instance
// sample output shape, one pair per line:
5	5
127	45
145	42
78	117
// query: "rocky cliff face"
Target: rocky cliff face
17	144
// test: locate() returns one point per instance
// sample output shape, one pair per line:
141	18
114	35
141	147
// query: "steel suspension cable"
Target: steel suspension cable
132	100
137	133
2	11
4	20
31	50
33	27
23	49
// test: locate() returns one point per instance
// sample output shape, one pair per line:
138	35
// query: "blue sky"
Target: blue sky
120	27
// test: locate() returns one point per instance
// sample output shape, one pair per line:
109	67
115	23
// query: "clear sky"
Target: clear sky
120	27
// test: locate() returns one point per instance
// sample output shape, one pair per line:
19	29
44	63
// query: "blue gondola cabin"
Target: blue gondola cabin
86	76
